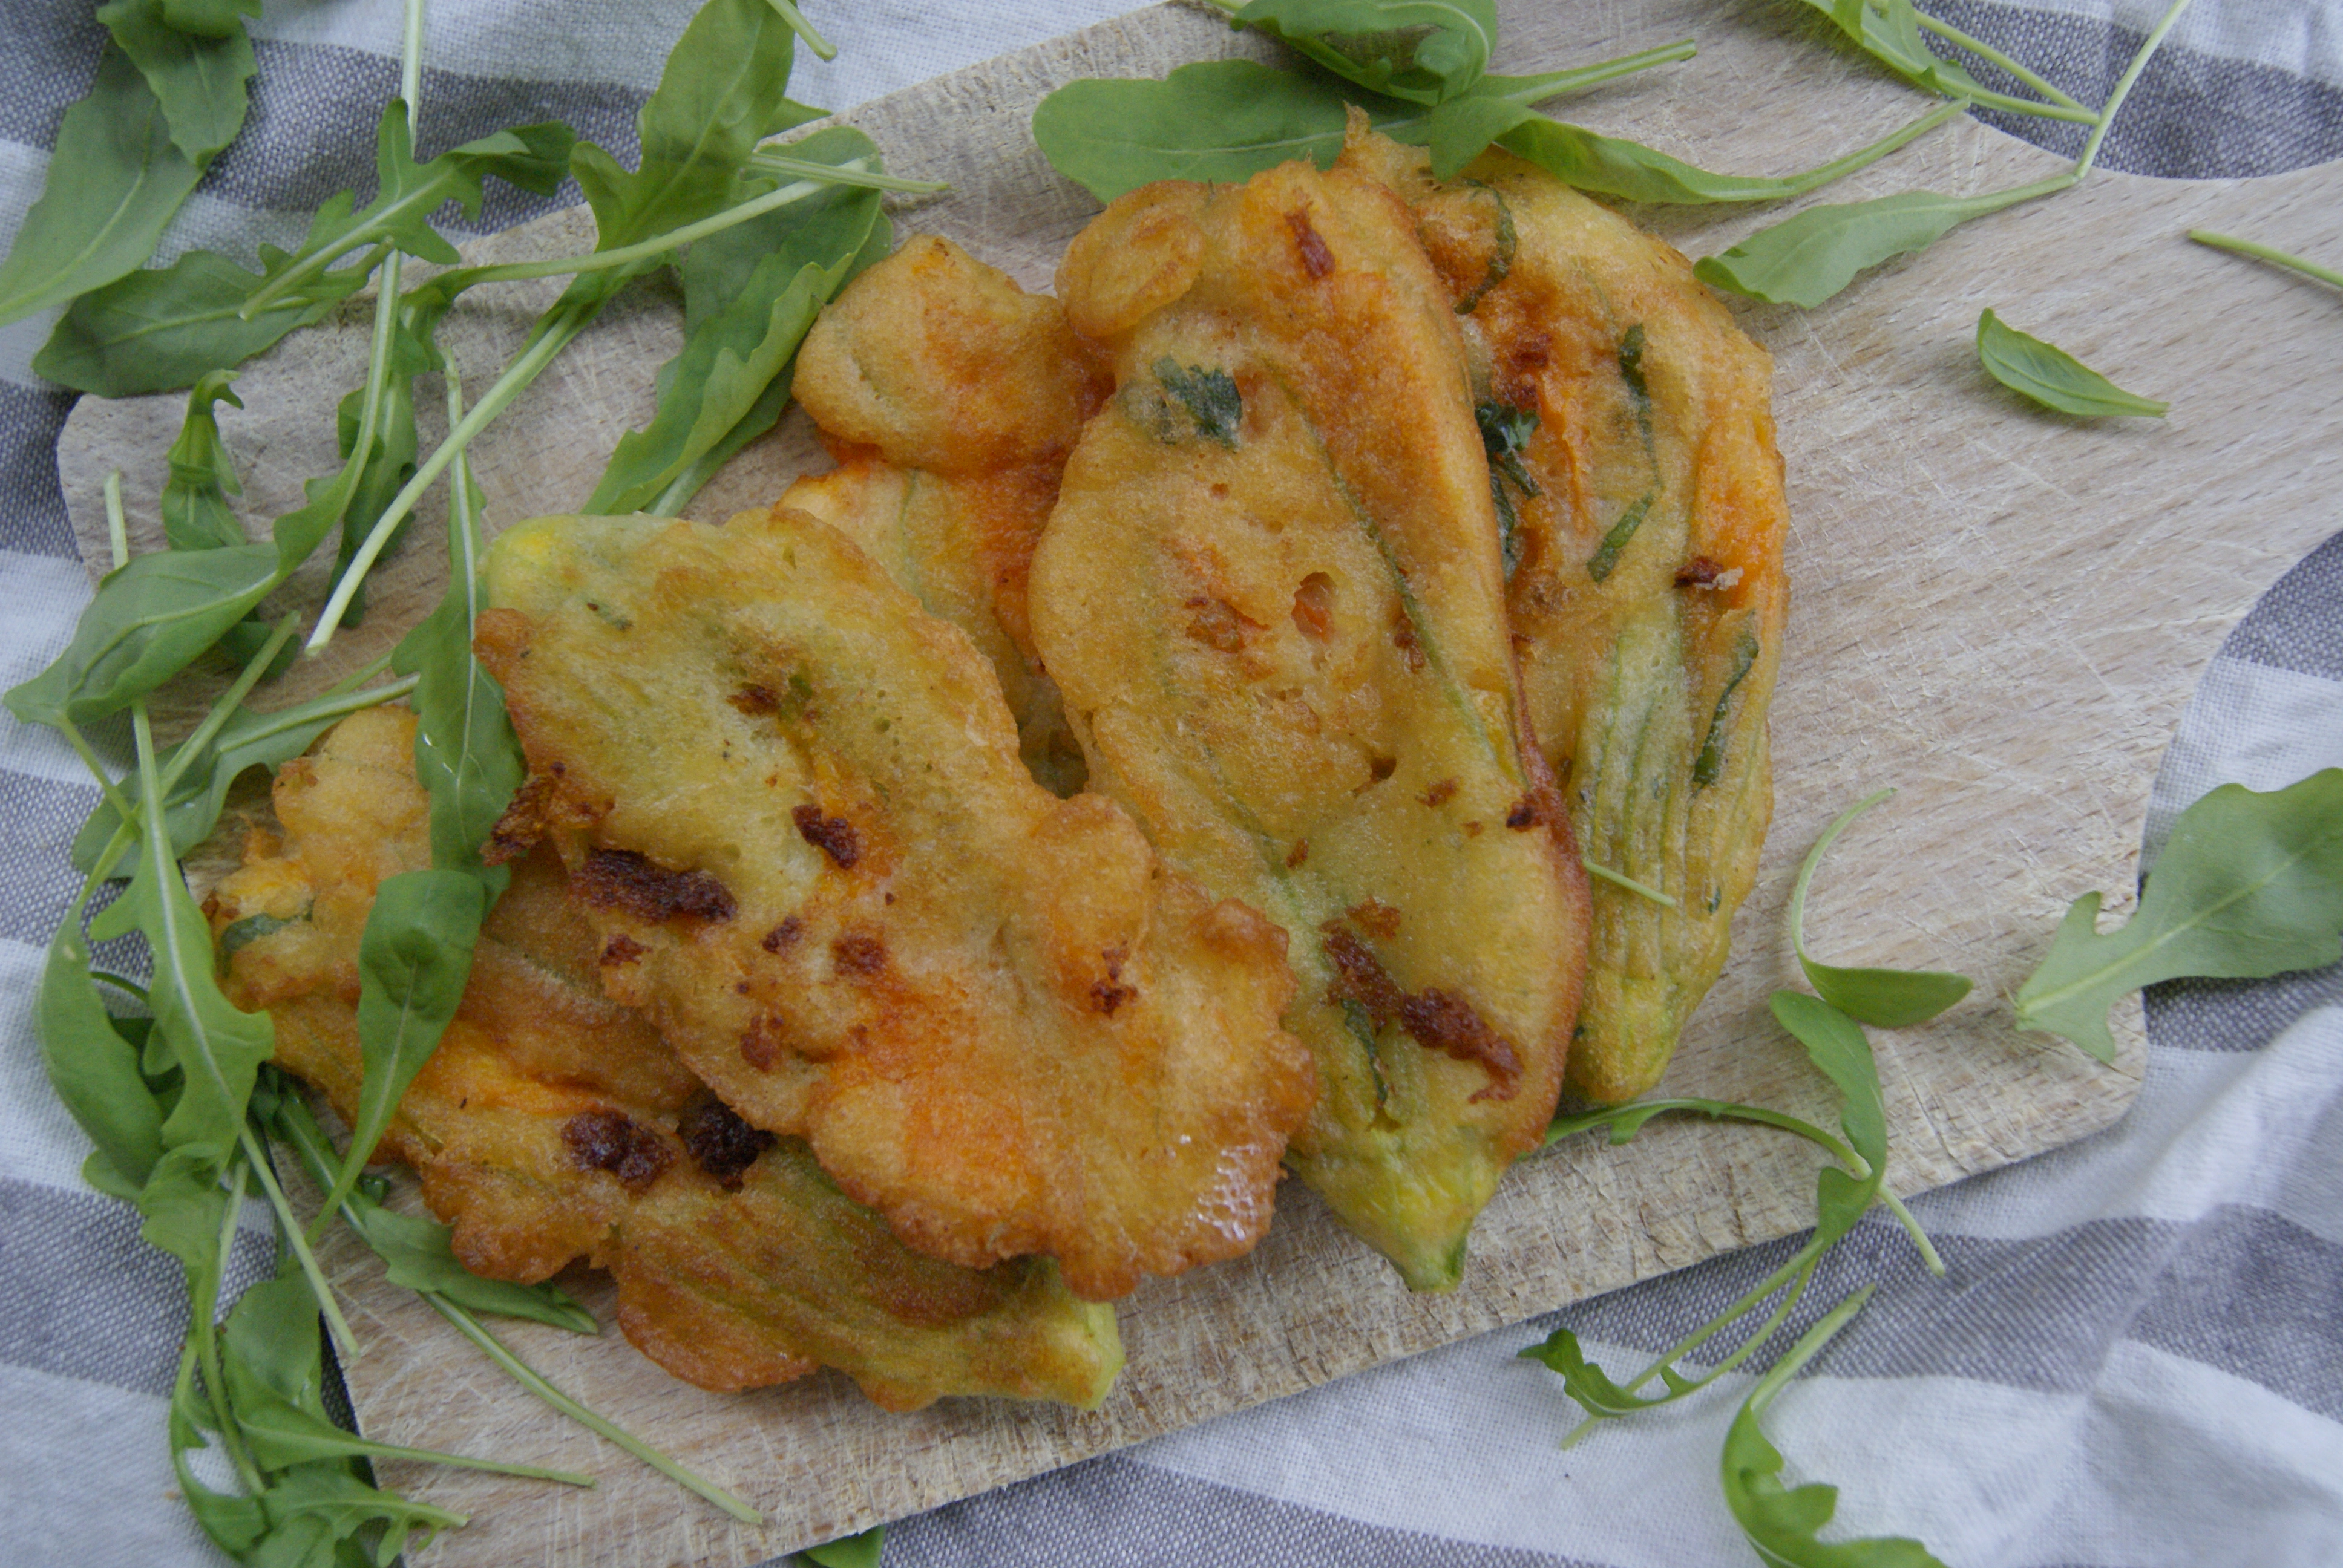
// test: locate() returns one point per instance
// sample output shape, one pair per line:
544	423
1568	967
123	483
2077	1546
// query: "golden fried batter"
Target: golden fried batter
552	1124
1629	425
1272	594
797	800
950	397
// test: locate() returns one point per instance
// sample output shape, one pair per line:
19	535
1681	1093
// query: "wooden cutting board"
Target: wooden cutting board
1998	610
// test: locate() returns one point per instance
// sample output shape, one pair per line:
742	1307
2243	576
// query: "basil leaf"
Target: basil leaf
92	1067
1425	51
114	182
1884	999
1806	260
149	620
2249	884
848	1551
797	258
2052	377
199	77
1782	1523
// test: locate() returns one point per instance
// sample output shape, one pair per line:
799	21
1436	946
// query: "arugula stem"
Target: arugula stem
358	677
1716	1110
1555	83
804	29
521	1372
1813	179
410	68
117	528
772	159
345	1342
1814	859
552	336
1911	1228
850	173
106	784
122	983
2124	85
1985	51
1621	880
207	1346
2260	252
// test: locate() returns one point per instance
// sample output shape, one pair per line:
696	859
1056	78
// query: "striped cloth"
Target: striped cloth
2137	1357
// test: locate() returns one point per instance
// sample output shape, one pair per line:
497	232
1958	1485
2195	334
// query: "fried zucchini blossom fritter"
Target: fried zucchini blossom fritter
553	1124
1273	595
950	399
794	803
1629	428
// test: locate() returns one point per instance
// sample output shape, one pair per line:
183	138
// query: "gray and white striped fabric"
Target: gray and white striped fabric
2136	1357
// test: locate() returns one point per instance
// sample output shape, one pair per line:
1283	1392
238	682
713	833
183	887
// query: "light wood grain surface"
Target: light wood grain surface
1998	610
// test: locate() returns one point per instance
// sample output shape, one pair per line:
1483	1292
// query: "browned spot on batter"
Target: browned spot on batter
623	880
1698	572
1375	917
1441	1020
1540	804
760	1048
1316	259
1441	793
859	953
783	937
1313	607
1403	638
614	1141
525	821
834	835
1111	993
756	701
1299	853
722	1143
1219	625
1472	830
1359	978
621	949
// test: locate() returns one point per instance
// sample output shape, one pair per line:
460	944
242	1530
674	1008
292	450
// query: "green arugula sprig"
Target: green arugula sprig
2249	884
1884	999
1889	31
1843	1193
2262	251
1808	258
2048	375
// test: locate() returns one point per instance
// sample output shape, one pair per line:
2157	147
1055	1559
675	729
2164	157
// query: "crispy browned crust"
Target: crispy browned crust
553	1125
993	1015
1653	421
1271	593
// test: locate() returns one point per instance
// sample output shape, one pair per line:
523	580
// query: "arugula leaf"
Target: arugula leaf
1781	1523
1425	51
114	182
1806	260
414	957
723	90
209	18
2052	377
2267	253
750	293
94	1066
198	76
467	757
196	512
1227	120
1610	167
274	1376
1889	32
2249	884
848	1551
193	801
1884	999
533	157
165	327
